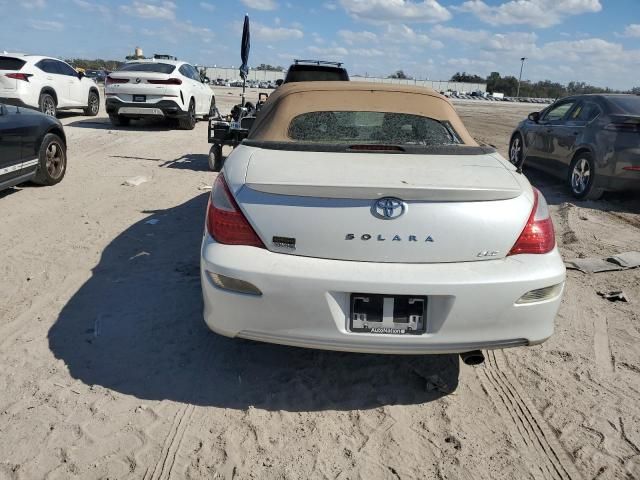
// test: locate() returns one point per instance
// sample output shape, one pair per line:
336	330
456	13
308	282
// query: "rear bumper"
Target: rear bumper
305	301
163	108
616	173
623	182
16	102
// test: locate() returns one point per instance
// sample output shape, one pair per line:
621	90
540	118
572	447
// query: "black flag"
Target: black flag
244	49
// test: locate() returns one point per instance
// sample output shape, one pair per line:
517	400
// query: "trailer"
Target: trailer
231	130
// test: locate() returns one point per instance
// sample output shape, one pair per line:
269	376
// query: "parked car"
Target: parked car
98	76
315	70
590	141
363	217
158	88
46	84
32	147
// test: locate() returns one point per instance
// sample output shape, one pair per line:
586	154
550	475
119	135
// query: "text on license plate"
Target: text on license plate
388	314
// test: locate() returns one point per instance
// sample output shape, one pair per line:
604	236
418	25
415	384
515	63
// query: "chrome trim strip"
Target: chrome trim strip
141	111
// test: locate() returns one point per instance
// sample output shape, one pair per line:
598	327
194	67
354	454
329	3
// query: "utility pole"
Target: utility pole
520	77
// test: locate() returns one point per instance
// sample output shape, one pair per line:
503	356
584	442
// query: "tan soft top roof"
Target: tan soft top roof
293	99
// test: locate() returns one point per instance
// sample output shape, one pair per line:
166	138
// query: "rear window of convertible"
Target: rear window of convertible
147	67
374	128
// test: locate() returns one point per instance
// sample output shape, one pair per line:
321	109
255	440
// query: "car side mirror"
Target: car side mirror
534	117
279	82
80	75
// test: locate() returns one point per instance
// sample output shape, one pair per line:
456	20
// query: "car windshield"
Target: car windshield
628	104
11	63
371	128
147	67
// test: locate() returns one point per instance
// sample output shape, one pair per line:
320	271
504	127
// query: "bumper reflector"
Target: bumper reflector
233	284
541	294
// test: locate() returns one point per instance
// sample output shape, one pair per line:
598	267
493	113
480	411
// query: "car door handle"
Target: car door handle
549	130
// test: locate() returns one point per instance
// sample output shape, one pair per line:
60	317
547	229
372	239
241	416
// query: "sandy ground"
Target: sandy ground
107	370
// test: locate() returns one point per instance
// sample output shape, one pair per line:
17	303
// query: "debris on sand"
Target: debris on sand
135	181
622	261
626	260
614	296
591	265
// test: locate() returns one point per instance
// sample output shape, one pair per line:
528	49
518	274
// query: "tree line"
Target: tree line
96	64
541	89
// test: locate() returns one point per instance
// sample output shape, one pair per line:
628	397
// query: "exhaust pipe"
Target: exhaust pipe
476	357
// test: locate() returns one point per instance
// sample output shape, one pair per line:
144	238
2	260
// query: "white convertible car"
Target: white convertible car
363	217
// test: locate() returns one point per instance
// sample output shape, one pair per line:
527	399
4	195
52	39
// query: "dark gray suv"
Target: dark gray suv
592	141
316	71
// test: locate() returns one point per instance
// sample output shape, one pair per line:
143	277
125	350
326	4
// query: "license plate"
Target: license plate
235	125
139	98
388	314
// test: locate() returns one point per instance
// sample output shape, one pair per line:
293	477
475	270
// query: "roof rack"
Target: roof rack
318	62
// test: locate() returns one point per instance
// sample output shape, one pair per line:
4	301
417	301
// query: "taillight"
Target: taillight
20	76
170	81
538	235
631	127
225	222
632	169
109	80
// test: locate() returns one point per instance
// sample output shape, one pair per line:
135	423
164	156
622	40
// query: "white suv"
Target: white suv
47	84
158	88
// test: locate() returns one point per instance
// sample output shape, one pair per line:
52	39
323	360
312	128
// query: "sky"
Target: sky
595	41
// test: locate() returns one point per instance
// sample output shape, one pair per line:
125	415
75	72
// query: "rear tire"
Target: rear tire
516	150
582	177
47	104
216	161
189	122
52	158
93	105
119	120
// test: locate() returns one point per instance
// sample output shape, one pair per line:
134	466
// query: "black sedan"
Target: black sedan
591	141
32	147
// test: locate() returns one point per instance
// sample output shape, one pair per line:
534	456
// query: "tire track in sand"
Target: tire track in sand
164	467
541	445
601	348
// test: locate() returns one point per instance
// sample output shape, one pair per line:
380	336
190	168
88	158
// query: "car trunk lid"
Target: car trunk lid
367	176
455	207
139	83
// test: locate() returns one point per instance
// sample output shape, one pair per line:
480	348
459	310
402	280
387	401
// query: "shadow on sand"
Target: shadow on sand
143	125
136	327
556	192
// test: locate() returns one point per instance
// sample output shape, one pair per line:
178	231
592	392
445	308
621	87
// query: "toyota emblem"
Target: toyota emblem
388	208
